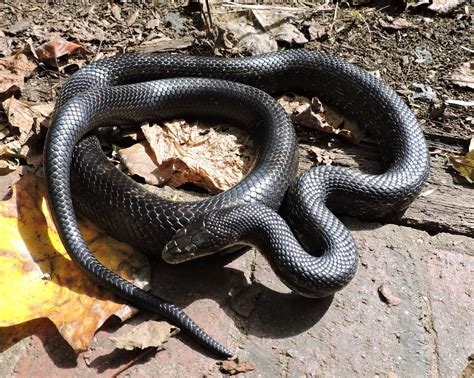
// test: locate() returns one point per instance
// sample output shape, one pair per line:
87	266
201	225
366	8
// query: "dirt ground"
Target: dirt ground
425	258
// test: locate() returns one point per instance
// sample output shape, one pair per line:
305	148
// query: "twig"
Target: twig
134	360
208	8
468	50
263	7
98	49
334	18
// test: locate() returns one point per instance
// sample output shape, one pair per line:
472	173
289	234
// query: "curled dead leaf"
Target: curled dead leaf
235	367
463	76
464	165
213	158
387	295
26	115
13	71
323	156
318	116
37	277
145	335
51	51
245	34
318	31
444	6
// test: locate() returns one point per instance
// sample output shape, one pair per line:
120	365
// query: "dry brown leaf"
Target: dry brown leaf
294	105
445	6
51	51
397	24
13	71
463	76
277	24
464	165
138	161
145	335
38	278
387	295
245	34
288	33
212	158
116	12
317	31
25	114
316	115
235	367
323	156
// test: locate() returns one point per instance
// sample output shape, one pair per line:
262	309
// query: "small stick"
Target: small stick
334	18
208	8
134	360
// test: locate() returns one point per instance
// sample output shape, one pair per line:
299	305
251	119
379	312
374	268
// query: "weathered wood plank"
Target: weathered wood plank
447	200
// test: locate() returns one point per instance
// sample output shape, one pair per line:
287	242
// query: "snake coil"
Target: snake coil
306	245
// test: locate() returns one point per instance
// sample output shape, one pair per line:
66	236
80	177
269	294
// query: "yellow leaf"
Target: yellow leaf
464	165
39	280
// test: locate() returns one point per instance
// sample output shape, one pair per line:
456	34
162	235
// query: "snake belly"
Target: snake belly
306	245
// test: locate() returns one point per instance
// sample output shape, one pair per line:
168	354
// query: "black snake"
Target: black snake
125	89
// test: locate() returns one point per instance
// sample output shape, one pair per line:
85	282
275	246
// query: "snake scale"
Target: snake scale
291	221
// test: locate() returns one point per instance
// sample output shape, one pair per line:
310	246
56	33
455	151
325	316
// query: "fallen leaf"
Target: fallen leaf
323	156
51	51
38	278
246	35
445	6
145	335
423	92
397	24
138	161
133	17
423	56
152	23
26	115
270	18
19	26
464	165
116	12
278	24
294	104
316	115
10	154
13	71
288	33
463	76
317	31
213	158
235	367
387	296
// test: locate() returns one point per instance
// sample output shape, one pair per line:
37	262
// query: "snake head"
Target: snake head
192	241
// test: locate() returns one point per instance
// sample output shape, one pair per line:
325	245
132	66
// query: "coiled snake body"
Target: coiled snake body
306	245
